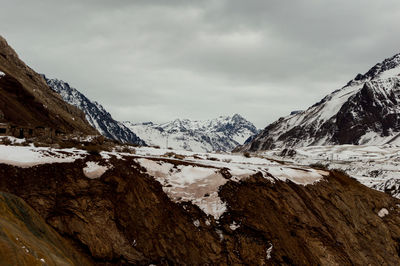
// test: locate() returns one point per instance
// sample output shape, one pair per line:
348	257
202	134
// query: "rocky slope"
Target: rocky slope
97	116
220	134
26	239
123	208
27	101
365	111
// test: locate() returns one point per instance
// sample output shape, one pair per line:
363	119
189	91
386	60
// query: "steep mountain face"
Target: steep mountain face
220	134
97	116
26	238
27	102
365	111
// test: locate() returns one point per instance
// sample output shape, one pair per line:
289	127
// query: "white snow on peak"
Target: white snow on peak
393	70
220	134
2	74
390	73
95	113
318	124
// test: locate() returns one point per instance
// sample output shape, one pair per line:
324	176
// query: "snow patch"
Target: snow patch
196	223
233	226
200	181
94	170
13	140
189	183
383	212
269	251
24	156
377	167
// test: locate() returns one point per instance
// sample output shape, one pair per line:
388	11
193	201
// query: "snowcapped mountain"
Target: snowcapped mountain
96	115
220	134
365	111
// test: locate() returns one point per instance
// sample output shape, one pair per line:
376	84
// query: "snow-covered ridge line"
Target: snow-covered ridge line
364	111
95	113
220	134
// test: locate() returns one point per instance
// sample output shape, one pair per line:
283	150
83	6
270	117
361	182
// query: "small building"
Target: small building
4	129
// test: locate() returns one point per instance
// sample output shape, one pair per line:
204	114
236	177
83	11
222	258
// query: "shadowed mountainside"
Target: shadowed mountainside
27	101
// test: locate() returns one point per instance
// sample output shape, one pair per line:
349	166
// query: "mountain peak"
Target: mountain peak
365	111
238	117
388	65
219	134
95	113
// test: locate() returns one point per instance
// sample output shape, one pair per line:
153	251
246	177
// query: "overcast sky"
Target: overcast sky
157	60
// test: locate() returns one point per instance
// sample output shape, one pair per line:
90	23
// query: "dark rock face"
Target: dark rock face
97	116
124	217
365	111
315	225
371	109
27	101
26	239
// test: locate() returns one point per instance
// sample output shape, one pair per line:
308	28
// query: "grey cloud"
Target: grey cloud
159	60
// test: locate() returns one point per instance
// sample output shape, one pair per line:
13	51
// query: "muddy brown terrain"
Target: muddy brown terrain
124	217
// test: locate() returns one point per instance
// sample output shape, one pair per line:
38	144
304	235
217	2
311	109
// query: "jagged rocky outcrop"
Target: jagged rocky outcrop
365	111
220	134
97	116
27	102
124	217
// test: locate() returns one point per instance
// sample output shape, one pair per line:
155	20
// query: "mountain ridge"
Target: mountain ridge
95	113
219	134
27	102
364	111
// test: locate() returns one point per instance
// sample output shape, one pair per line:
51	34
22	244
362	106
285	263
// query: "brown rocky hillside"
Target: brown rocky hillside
26	101
124	217
26	239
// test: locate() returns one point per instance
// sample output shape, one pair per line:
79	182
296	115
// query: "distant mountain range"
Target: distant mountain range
365	111
96	115
220	134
